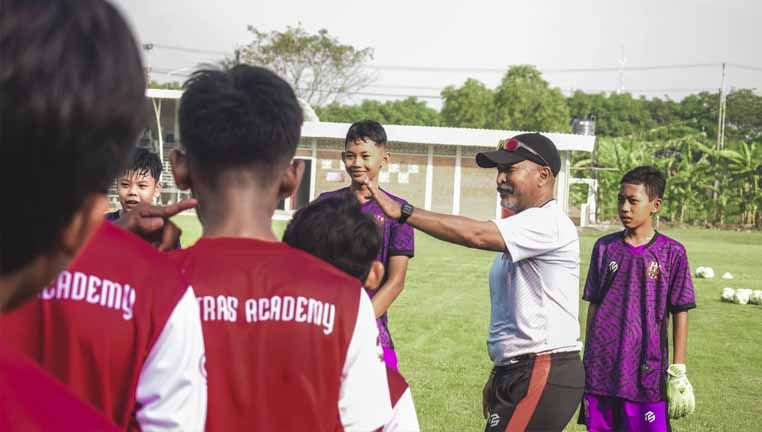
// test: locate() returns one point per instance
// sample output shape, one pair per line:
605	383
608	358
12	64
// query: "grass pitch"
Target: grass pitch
440	321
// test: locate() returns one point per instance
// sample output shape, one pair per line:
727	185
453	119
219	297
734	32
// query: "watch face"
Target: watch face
407	209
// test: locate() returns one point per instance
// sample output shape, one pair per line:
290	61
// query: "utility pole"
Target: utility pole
720	142
721	113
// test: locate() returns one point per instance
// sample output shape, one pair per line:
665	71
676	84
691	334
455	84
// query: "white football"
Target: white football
727	276
742	296
756	297
727	294
706	272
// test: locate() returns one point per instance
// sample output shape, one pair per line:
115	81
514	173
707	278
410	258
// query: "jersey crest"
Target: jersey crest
653	270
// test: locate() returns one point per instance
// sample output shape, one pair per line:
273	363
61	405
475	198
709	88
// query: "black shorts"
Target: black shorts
537	393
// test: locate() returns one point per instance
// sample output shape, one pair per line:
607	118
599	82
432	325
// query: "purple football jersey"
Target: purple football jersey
635	288
112	216
398	239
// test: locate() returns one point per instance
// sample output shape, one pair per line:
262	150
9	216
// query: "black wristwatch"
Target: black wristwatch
406	211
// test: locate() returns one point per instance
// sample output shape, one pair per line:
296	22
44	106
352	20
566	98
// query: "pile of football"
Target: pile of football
741	296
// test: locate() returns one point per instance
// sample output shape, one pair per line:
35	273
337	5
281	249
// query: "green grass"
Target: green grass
440	322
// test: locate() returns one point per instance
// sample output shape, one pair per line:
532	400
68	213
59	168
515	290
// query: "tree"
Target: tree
744	115
741	166
319	67
410	111
524	101
699	111
616	114
663	111
470	106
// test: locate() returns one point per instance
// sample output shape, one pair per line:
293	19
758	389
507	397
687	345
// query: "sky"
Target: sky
422	46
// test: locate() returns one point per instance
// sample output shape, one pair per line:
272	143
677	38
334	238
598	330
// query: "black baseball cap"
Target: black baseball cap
542	145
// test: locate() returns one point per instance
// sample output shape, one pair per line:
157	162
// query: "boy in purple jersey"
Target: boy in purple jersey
364	155
637	278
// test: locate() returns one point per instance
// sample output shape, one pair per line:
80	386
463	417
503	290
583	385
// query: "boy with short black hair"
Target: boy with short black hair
364	156
139	182
637	278
119	327
292	341
60	60
337	231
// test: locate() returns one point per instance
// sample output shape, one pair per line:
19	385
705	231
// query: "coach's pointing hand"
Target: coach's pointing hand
390	207
152	223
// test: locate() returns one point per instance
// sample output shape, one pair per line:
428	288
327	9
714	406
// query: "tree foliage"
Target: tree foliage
525	101
319	67
469	106
410	111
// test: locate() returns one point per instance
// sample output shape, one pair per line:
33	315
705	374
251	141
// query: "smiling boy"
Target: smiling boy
364	156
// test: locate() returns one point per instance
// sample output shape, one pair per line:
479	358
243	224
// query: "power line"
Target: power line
178	73
498	69
189	50
742	66
549	70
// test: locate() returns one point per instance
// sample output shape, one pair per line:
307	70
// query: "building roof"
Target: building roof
423	134
447	135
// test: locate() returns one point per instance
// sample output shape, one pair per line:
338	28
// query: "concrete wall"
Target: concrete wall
405	175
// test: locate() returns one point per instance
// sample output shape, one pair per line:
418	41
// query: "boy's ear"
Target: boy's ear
656	205
291	178
83	224
180	169
375	276
157	190
386	158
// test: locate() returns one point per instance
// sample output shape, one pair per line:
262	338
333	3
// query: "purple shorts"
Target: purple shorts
603	413
390	358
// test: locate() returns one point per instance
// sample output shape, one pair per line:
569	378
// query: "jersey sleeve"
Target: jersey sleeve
530	233
592	291
364	402
402	240
171	392
681	294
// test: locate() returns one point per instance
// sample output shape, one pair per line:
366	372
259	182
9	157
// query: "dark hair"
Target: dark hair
144	162
245	117
648	176
337	231
366	130
73	99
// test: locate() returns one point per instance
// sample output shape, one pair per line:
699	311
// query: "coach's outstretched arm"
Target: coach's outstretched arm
454	229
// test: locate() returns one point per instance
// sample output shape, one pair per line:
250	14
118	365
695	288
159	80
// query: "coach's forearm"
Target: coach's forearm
454	229
458	229
679	336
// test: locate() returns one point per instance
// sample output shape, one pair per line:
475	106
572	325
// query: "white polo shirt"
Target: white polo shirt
534	287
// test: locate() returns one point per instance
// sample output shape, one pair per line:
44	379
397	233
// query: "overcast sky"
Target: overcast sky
480	39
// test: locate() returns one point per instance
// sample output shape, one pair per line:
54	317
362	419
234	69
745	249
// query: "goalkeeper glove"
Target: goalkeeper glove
680	398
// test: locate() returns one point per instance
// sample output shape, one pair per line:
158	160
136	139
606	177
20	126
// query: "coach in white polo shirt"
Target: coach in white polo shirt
533	340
